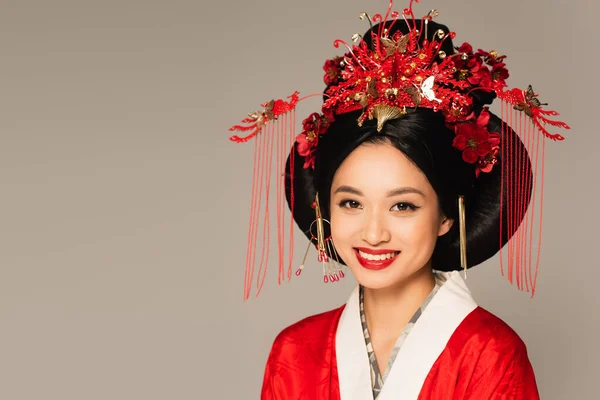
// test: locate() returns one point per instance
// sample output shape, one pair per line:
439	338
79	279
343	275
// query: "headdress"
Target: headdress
385	75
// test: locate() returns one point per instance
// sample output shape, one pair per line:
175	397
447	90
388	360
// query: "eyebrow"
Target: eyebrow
391	193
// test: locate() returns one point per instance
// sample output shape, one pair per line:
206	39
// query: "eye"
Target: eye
350	204
404	206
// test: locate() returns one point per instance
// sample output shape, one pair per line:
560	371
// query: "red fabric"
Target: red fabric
484	359
302	363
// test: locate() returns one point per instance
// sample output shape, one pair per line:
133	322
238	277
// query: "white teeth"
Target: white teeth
378	257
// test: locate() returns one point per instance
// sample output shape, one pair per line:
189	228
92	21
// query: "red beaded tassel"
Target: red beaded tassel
273	131
332	268
522	194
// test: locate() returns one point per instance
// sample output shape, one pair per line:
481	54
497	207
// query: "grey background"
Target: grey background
123	210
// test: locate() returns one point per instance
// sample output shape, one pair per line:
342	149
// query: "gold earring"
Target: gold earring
332	269
463	233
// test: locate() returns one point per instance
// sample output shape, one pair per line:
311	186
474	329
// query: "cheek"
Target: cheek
344	228
337	225
422	233
418	231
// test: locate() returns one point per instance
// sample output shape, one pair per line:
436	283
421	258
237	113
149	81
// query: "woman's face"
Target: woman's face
385	217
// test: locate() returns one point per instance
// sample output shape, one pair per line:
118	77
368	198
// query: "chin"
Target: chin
396	274
375	284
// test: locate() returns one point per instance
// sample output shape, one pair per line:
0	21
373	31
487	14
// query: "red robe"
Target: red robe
482	359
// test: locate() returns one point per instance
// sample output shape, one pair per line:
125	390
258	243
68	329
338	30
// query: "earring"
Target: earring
463	233
332	269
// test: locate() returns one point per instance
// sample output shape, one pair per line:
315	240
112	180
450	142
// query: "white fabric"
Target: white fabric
351	354
428	338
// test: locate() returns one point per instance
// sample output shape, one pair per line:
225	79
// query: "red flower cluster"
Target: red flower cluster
333	70
477	143
313	126
476	68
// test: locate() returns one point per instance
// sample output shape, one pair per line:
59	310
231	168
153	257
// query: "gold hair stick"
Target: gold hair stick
463	233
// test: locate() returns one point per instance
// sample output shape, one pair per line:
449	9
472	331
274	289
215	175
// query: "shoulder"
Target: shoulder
301	342
487	327
310	328
488	338
487	359
301	359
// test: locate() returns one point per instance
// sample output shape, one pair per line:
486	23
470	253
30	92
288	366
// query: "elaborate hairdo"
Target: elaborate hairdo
422	136
424	139
429	101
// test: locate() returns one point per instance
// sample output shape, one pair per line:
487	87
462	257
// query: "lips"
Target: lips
378	259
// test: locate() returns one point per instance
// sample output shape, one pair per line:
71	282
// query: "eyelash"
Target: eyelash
407	206
344	203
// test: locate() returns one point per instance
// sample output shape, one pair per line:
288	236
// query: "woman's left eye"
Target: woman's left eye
404	207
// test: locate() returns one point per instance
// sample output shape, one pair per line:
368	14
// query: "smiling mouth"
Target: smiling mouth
375	260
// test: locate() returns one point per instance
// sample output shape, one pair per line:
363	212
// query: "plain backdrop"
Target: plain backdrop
124	206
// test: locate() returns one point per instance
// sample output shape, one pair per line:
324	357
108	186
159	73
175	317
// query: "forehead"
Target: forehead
379	167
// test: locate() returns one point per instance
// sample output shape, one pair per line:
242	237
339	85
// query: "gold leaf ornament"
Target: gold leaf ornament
384	113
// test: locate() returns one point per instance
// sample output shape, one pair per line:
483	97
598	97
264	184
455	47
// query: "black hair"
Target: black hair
423	137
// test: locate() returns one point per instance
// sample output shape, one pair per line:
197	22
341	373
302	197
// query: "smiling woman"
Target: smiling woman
377	226
404	171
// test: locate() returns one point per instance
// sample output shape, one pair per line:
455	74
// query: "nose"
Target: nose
374	231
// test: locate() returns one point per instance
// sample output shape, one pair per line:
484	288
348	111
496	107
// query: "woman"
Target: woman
404	170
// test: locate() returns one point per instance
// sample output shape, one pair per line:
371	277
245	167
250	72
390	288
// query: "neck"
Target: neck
401	301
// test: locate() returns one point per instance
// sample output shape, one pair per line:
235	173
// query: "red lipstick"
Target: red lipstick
375	265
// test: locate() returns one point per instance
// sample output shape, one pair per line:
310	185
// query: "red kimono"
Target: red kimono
456	350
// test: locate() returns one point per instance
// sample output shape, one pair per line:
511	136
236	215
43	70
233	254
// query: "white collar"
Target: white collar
427	339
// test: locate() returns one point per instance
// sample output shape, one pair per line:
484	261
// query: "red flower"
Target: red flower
316	123
465	48
499	75
490	57
306	149
486	164
327	117
313	126
459	111
304	145
332	70
483	118
481	76
474	140
473	69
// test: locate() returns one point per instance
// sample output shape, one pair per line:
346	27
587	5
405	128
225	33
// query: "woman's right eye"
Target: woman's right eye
349	204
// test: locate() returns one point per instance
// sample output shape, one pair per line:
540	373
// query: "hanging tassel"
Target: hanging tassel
266	236
522	191
280	196
326	253
292	197
273	130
